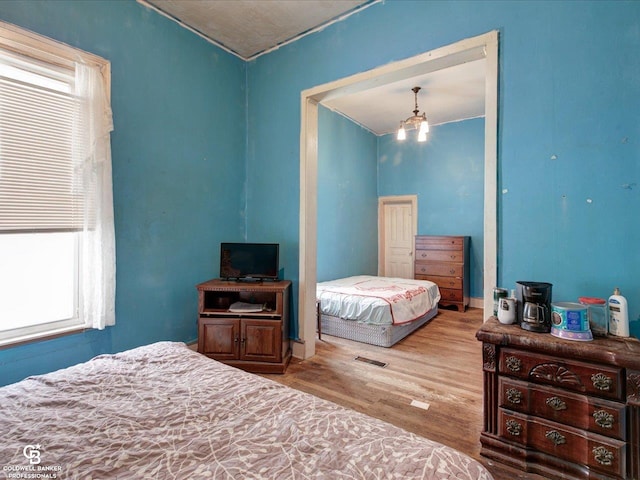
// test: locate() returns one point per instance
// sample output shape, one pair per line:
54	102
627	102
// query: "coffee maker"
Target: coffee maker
534	306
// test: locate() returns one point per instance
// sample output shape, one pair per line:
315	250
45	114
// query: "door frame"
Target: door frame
394	199
483	46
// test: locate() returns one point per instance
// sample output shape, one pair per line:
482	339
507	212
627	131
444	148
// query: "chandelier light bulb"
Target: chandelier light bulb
424	126
422	136
402	134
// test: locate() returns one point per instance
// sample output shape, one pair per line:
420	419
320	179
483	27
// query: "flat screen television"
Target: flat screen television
249	261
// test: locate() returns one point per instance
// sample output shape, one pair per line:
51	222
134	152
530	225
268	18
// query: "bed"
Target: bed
164	411
376	310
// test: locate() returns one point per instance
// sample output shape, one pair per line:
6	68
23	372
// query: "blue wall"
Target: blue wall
569	132
447	174
347	198
178	153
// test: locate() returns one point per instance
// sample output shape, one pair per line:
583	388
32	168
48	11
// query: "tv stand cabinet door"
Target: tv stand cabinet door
219	338
261	340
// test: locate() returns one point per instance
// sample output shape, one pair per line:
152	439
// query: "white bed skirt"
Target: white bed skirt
381	335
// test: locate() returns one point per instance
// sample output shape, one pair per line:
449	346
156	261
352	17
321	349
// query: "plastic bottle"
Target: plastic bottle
618	315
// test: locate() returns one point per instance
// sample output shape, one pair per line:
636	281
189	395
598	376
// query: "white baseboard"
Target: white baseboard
476	302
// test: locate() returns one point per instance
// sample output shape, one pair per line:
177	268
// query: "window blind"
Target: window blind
40	186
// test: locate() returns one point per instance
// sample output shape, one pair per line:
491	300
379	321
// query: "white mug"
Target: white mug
507	311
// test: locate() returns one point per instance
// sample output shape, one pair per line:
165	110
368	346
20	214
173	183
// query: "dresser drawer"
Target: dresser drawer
455	256
450	295
599	453
442	282
439	243
603	381
593	414
439	269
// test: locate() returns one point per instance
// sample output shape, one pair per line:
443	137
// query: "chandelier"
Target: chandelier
418	122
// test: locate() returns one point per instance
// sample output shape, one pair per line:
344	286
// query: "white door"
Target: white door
398	225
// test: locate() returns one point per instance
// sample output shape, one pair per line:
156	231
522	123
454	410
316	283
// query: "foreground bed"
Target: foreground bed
163	411
376	310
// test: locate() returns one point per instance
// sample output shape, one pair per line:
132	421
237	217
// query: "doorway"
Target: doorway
480	47
397	228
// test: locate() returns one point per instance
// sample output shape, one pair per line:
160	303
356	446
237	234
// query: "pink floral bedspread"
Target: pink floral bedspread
163	411
377	300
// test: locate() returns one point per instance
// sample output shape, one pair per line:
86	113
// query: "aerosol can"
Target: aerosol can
618	315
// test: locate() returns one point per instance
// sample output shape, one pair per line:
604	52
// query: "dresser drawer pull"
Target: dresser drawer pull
514	428
554	373
601	381
603	419
556	403
452	271
514	395
603	456
556	437
514	364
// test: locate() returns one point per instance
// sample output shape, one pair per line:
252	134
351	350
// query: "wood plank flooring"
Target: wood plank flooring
439	366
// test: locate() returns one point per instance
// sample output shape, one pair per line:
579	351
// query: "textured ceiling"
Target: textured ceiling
250	28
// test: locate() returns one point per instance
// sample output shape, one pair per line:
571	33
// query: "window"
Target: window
57	252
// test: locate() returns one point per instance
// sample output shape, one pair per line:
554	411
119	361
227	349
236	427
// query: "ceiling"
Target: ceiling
250	28
447	95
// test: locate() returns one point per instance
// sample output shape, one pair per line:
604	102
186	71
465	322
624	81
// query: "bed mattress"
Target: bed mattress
163	411
381	335
377	300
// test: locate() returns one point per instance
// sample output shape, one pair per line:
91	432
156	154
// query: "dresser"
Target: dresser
561	408
444	260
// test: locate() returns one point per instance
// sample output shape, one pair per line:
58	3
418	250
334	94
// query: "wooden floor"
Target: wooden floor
439	366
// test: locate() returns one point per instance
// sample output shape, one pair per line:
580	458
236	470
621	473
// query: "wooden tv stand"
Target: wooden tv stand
253	341
560	408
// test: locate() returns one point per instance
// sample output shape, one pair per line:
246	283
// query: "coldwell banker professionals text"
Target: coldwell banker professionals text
32	471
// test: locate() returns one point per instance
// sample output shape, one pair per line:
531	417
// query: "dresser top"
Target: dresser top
623	352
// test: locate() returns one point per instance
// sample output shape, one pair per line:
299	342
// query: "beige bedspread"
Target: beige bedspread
163	411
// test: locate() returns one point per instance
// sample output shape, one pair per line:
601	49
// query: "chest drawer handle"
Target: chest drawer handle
514	428
556	404
514	364
603	456
603	419
601	381
514	395
556	437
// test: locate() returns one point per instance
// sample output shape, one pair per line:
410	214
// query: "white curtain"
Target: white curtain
93	160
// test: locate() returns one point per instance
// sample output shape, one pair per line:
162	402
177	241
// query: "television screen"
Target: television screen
249	261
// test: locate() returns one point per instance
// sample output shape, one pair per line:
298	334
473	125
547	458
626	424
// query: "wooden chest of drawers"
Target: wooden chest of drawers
444	260
561	408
